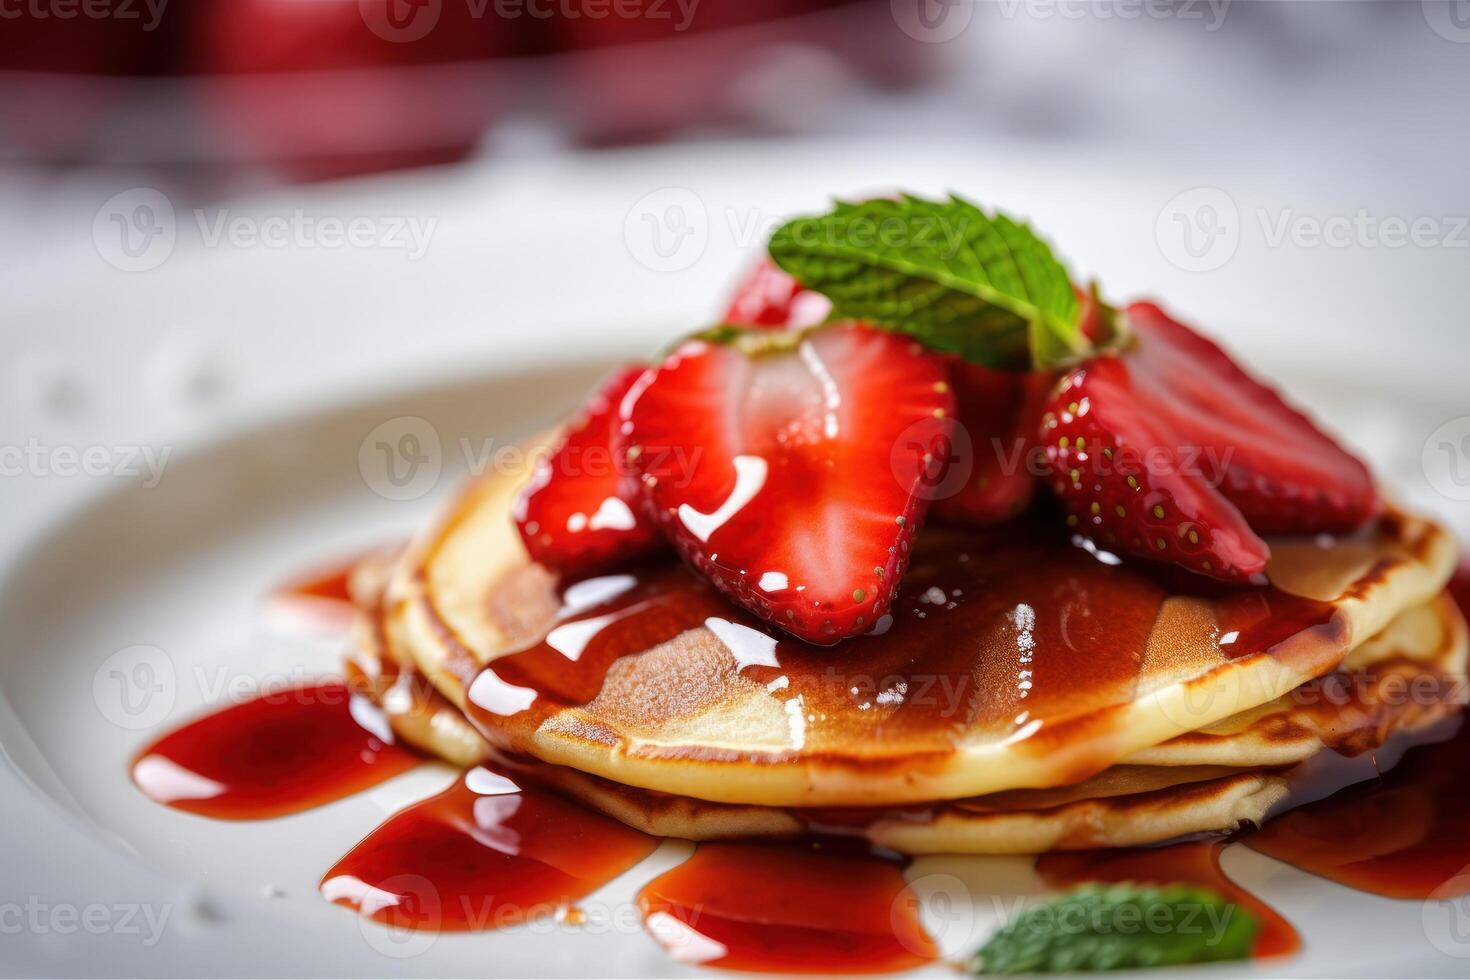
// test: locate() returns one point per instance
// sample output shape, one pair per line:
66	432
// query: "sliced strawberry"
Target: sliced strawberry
1172	452
793	469
769	297
998	411
582	509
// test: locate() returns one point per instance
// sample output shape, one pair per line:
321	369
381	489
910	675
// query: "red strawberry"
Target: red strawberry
999	412
791	469
1171	451
581	510
769	297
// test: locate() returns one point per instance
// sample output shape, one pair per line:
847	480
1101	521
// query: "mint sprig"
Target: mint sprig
960	280
1120	927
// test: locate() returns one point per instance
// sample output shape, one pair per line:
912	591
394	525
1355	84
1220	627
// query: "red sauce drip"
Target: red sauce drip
484	854
322	597
793	908
1404	835
280	753
1196	863
945	659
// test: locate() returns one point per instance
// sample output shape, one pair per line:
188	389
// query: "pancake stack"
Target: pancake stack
1025	693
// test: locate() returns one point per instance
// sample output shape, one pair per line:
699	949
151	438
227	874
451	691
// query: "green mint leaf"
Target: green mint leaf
981	286
1120	927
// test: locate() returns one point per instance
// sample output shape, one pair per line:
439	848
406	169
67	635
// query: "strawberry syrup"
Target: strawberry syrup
811	907
487	853
989	629
1404	835
279	753
483	854
1195	863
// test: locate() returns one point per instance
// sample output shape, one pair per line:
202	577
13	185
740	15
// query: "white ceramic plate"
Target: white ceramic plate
270	375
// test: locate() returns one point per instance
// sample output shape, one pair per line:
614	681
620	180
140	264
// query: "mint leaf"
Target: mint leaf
1120	927
981	286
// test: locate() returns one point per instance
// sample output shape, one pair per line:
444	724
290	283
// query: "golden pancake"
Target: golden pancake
713	708
1408	677
1053	665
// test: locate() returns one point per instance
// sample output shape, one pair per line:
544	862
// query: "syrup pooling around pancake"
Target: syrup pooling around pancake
996	635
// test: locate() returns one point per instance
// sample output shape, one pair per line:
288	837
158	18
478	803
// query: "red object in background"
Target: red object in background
73	74
335	87
769	297
622	86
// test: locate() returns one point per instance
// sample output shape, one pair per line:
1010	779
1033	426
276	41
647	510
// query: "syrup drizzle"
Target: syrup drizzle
1404	835
809	907
483	854
487	853
322	598
997	629
1195	863
281	752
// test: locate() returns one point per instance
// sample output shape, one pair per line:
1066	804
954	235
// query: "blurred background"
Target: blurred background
215	209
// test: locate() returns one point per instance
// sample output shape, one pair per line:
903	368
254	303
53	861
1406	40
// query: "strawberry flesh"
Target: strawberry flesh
581	511
770	297
795	476
1170	451
998	412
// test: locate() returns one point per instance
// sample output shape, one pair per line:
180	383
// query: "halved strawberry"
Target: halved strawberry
998	412
581	511
769	297
792	469
1170	451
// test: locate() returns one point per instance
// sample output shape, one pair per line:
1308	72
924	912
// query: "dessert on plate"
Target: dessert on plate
923	548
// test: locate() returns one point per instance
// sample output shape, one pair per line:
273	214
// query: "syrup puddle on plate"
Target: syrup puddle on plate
806	907
483	854
488	853
280	752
